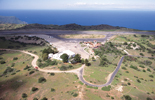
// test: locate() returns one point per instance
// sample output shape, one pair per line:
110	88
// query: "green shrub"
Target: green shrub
52	90
34	89
8	70
141	66
44	98
13	64
138	81
80	82
63	68
124	68
24	95
127	71
27	67
15	58
41	79
107	95
127	97
13	73
35	99
75	94
148	98
31	72
151	76
52	74
2	62
134	67
112	97
148	69
106	88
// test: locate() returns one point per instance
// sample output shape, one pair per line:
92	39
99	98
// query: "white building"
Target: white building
57	55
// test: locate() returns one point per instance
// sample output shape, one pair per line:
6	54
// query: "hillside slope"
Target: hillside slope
10	20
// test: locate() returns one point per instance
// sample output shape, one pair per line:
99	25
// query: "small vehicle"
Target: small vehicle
36	68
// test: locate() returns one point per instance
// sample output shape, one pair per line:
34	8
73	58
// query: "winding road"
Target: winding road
78	71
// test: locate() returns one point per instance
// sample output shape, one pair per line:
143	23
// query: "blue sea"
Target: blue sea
142	20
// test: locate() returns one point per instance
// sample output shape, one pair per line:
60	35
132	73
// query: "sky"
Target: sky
148	5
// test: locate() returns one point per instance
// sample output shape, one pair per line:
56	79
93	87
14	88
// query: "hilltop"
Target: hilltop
10	20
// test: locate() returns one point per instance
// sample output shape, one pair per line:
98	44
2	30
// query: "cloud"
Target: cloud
112	6
90	4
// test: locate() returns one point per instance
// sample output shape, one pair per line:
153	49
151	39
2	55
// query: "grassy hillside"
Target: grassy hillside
10	20
135	79
63	27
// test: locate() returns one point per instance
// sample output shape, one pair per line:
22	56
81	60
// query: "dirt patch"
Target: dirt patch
108	77
119	88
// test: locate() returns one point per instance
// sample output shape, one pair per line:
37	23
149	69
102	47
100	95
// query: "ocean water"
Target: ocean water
142	20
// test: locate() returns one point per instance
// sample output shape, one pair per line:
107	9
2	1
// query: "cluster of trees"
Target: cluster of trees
71	27
104	61
46	63
135	67
45	53
64	57
66	67
107	48
76	59
127	97
8	70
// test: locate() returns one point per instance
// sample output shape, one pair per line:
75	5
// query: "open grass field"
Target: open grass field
135	78
14	85
80	36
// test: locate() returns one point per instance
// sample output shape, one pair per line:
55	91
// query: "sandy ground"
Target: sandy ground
119	88
63	45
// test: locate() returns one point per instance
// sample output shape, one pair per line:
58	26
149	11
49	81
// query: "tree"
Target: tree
86	62
93	59
77	58
49	50
134	45
24	95
64	58
82	61
45	56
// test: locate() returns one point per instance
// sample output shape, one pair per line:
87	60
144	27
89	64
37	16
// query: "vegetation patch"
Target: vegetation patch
107	88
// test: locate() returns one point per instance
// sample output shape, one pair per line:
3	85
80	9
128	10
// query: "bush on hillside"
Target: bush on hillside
24	95
41	79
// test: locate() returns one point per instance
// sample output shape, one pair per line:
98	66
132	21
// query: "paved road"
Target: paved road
42	31
108	82
55	33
